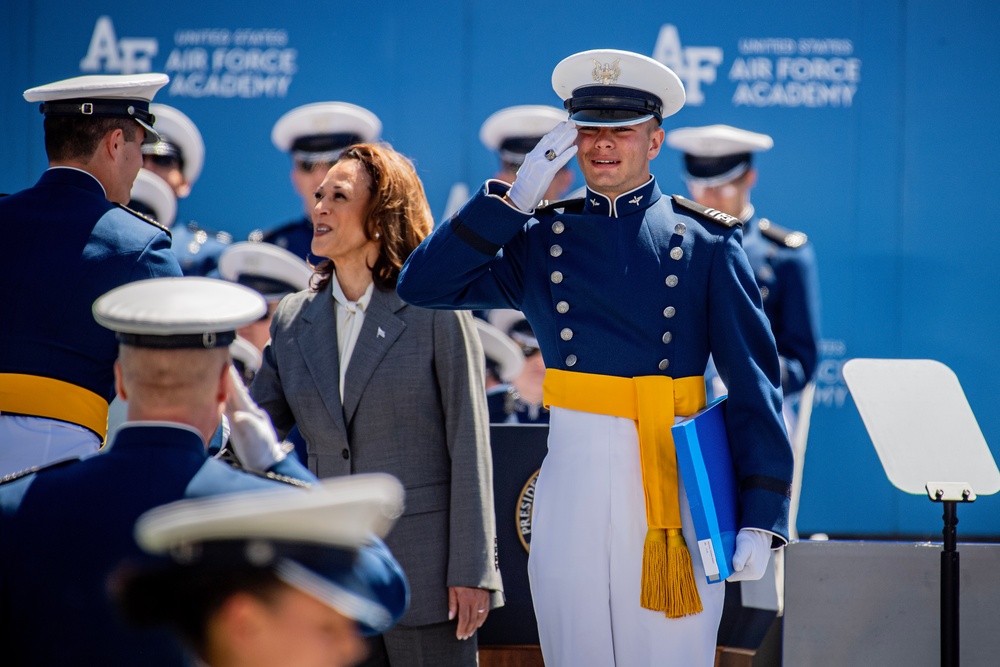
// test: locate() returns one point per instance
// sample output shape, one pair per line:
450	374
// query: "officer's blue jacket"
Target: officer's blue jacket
64	245
295	237
65	529
198	250
637	286
789	286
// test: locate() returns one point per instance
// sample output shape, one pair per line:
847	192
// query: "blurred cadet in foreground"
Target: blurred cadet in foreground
56	377
315	135
65	528
279	578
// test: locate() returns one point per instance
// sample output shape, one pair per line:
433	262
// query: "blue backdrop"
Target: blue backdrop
881	113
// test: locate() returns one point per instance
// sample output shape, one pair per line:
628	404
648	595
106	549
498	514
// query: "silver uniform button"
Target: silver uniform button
669	311
663	364
680	228
676	253
555	250
671	281
764	292
558	227
667	337
566	334
571	360
562	307
557	277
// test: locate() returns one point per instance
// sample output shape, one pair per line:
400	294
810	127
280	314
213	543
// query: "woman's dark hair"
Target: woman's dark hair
184	598
397	214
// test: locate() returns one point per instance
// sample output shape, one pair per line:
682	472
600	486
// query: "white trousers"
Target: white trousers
26	442
587	533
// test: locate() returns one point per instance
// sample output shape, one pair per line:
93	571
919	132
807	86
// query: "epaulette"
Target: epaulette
567	205
228	456
712	214
144	218
778	234
14	476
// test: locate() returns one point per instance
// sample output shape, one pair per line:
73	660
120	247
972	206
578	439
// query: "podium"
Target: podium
509	637
928	442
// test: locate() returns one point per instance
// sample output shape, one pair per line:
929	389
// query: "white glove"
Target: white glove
537	170
253	437
753	551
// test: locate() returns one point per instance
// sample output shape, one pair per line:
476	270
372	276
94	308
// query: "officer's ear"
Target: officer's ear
656	137
119	383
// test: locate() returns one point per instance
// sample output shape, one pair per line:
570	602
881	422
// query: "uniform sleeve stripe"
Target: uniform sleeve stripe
472	238
778	486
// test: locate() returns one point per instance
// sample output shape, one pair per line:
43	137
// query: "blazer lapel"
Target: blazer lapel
378	333
318	346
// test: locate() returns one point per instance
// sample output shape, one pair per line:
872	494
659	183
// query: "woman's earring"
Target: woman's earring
377	235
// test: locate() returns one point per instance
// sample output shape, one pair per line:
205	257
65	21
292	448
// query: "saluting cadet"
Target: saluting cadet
64	529
315	135
178	158
512	133
273	578
67	240
627	292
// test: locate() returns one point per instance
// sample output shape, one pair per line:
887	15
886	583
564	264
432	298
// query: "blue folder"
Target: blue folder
706	466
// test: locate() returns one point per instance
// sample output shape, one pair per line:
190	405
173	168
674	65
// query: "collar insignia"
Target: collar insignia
636	199
606	73
593	202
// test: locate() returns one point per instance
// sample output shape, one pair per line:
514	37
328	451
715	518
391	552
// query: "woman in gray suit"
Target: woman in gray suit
376	385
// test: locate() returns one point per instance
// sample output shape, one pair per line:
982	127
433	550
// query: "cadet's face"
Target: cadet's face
301	631
169	169
339	212
129	162
615	160
731	197
306	177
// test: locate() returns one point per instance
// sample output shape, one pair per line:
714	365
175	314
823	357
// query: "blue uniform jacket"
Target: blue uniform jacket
631	287
198	250
789	288
295	237
65	529
64	245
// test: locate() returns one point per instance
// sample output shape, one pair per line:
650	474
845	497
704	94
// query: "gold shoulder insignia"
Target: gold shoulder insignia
14	476
778	234
712	214
145	218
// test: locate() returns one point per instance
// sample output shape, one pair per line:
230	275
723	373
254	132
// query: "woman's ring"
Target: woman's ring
482	611
550	155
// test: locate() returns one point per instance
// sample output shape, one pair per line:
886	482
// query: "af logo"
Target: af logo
695	65
525	505
107	53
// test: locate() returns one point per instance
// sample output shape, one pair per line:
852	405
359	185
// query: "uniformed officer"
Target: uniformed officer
65	528
153	197
628	292
56	375
504	362
512	133
719	171
257	578
315	135
523	403
178	158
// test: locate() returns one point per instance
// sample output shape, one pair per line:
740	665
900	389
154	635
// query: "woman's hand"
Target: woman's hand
470	606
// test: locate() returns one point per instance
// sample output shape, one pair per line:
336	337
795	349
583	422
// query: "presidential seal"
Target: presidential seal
525	505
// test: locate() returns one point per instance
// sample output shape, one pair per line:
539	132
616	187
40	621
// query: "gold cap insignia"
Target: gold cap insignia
606	73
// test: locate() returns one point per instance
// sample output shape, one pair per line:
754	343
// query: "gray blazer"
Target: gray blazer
413	407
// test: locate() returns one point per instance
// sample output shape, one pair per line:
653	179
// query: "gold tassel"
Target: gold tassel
668	583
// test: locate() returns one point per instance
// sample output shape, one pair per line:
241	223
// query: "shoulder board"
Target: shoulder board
285	479
14	476
778	234
567	205
144	218
712	214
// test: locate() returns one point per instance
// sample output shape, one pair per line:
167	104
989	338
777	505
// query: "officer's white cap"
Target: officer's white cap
310	537
514	131
153	195
716	154
514	324
102	95
322	130
272	271
501	350
616	88
247	354
178	135
188	312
